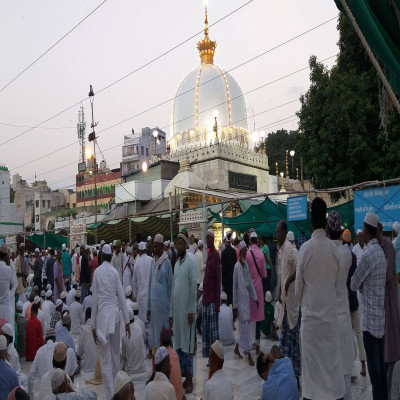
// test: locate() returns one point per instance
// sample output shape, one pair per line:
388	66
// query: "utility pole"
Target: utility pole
92	138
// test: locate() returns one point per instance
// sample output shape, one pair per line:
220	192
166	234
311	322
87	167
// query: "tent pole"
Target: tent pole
373	59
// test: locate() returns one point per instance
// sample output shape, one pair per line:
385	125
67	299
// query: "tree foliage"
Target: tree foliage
276	145
340	135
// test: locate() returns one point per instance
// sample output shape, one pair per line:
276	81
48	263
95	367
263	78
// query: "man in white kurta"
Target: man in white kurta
140	286
316	288
116	260
87	349
48	308
225	322
76	311
183	309
6	284
108	301
219	386
243	288
133	350
342	300
128	263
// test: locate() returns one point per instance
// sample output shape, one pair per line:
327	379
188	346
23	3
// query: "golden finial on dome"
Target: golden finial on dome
206	46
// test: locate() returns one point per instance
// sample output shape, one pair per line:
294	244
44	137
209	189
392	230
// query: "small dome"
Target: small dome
185	179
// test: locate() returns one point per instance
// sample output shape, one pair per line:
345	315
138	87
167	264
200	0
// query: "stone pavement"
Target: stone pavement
246	382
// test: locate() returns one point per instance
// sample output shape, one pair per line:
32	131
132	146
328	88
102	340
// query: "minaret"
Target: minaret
81	126
206	46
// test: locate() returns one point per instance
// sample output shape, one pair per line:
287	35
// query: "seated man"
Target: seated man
76	311
219	386
60	360
87	349
8	332
62	331
8	377
138	321
176	375
123	387
56	314
60	385
160	388
42	362
128	295
225	323
133	349
280	382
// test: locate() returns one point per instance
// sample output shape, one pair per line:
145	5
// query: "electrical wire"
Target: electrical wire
51	47
129	74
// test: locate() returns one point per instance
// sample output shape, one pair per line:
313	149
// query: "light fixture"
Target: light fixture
281	174
89	154
292	153
234	235
144	166
155	133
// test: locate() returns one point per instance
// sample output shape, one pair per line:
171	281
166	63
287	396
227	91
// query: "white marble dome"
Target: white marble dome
203	90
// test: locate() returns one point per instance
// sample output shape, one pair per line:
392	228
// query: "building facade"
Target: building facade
139	148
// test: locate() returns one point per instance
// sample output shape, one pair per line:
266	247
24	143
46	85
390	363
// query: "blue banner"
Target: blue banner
384	201
296	208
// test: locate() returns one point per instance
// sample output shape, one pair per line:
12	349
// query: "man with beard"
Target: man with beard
228	261
183	309
160	287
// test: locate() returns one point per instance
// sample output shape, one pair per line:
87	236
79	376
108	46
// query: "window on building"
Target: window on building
37	217
43	203
37	203
147	151
48	203
142	150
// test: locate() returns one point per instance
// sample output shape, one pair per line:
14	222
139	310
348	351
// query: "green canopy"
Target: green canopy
52	240
264	218
378	21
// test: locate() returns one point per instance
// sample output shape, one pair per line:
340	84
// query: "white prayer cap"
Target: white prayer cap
135	306
49	248
224	296
242	245
253	235
107	249
63	295
87	247
114	243
48	287
128	291
63	246
120	381
159	238
3	342
371	219
142	246
102	242
201	287
22	245
49	293
129	250
211	233
42	293
172	244
161	355
58	303
37	250
148	238
36	300
7	329
268	297
396	227
130	313
78	293
290	236
200	243
57	378
218	349
19	305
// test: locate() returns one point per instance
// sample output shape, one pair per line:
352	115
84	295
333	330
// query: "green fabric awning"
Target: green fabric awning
52	240
264	218
378	21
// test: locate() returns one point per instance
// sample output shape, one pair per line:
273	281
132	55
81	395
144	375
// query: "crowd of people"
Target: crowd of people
103	310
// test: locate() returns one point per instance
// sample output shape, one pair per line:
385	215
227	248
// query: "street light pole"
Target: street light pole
92	138
292	153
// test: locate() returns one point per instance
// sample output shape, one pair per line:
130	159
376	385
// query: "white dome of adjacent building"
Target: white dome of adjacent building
205	89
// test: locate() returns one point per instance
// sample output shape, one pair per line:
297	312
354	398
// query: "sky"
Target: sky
119	38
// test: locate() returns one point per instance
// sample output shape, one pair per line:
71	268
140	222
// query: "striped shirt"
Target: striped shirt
370	279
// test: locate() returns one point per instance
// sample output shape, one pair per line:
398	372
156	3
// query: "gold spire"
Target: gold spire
206	46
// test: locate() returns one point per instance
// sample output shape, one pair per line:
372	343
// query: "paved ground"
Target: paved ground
246	382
